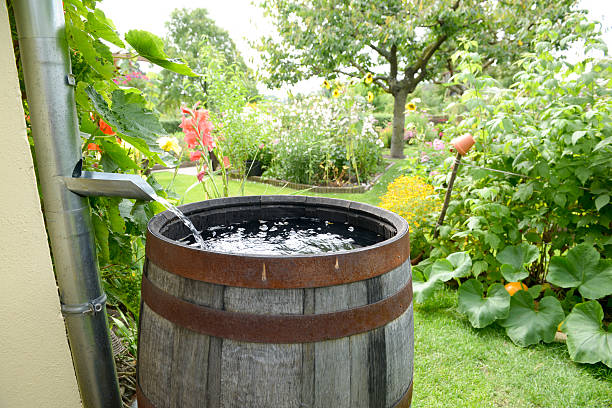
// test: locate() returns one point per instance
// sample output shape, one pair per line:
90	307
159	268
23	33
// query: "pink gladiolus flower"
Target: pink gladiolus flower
428	144
441	134
195	156
197	128
424	158
261	146
438	144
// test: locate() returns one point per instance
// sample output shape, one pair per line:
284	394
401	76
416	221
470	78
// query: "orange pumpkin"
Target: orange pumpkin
514	287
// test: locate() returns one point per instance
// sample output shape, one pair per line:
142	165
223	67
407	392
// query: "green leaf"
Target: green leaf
535	290
151	47
101	233
479	267
117	154
457	265
423	290
583	174
527	325
587	340
137	125
86	45
602	201
582	269
98	24
514	259
577	135
483	311
511	274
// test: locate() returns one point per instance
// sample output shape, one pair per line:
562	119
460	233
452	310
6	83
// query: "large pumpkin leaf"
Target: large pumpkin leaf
483	311
457	265
587	340
151	47
424	289
582	269
514	258
527	324
138	126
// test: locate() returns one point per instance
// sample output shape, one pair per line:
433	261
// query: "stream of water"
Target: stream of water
199	241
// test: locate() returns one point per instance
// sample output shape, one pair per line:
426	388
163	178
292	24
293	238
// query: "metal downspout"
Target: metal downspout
46	65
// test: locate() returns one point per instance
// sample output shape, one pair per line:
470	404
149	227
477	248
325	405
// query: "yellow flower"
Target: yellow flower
368	78
370	97
169	144
326	84
336	93
413	199
411	106
520	43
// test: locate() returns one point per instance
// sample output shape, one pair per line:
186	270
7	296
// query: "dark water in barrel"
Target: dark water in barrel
285	237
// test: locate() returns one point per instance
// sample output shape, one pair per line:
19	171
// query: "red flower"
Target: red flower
197	128
94	147
106	128
195	156
226	162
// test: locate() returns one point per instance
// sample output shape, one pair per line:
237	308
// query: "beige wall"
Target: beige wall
35	365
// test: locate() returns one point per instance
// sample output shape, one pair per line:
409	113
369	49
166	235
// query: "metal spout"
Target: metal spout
91	183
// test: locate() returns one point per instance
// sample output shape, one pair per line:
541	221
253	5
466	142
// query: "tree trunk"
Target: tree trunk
399	117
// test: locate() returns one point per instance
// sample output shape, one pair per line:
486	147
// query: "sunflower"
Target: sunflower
370	97
326	84
336	93
368	78
411	106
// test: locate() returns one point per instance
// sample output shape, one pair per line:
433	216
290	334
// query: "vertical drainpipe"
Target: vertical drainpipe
49	86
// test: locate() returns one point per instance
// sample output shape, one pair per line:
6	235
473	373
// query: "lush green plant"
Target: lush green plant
548	140
325	140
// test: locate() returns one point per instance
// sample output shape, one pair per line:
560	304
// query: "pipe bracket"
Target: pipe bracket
71	80
93	306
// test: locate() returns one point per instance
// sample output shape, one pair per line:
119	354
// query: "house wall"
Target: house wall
35	364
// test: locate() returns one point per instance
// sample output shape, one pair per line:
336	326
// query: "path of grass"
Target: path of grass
459	366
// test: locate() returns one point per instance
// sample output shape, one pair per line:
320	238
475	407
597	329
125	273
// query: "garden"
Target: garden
511	260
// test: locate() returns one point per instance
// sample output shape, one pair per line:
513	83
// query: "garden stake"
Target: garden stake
448	194
462	145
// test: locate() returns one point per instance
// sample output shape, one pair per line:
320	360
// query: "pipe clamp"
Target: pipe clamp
93	306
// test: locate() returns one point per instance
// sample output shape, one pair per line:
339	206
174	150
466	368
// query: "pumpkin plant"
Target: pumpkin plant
587	339
530	322
481	310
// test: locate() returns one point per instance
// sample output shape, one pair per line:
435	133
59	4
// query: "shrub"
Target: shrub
325	140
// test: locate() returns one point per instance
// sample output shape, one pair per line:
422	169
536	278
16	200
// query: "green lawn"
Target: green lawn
459	366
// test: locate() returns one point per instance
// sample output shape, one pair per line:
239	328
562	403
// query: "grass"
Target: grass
459	366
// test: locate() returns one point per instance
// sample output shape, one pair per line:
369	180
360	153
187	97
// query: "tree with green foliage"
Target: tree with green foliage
189	33
398	44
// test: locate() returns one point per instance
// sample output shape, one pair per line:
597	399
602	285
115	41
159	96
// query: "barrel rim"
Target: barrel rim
279	271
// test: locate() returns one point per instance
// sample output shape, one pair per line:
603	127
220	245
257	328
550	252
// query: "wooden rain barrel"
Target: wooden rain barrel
326	330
